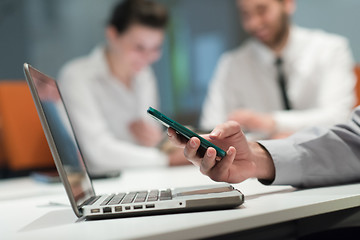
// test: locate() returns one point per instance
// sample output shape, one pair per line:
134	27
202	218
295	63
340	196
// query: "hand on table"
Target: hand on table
177	158
253	121
145	134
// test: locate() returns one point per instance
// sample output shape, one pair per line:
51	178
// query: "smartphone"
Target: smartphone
187	133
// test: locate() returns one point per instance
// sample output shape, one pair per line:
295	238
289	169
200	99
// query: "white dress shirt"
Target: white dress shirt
318	156
101	109
320	82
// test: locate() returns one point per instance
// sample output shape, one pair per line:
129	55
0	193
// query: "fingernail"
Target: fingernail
215	133
230	151
192	143
209	153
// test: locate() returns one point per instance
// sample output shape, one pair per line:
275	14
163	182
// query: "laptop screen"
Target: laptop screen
60	136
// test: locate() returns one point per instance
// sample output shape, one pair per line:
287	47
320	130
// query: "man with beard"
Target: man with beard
283	78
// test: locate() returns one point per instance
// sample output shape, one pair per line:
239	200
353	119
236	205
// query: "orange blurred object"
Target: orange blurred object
357	87
24	144
2	150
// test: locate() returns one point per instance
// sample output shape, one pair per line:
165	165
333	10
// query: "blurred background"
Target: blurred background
48	33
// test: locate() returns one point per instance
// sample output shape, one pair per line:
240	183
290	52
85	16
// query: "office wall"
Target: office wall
200	31
64	29
341	17
47	33
13	48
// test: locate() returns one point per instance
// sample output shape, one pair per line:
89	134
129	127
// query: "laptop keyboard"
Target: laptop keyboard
137	197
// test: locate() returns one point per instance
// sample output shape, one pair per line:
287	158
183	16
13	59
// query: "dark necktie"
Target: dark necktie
282	83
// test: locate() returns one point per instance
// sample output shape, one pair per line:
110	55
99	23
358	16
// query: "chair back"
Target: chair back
357	87
23	139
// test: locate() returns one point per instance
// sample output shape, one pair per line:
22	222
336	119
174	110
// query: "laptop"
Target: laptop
71	166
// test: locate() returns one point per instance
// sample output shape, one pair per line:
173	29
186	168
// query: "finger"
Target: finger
209	161
221	170
191	149
176	138
225	130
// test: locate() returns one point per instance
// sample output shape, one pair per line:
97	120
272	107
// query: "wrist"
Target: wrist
265	169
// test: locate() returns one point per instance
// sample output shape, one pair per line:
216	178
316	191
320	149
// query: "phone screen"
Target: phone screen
187	133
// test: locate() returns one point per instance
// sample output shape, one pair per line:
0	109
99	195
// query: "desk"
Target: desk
26	211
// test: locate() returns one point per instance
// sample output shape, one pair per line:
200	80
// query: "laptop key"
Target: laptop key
153	199
153	196
107	200
140	197
154	193
129	197
165	195
117	199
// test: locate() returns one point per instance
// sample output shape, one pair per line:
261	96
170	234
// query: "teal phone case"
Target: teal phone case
187	133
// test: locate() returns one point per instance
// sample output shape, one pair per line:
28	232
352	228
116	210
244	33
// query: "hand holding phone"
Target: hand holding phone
185	132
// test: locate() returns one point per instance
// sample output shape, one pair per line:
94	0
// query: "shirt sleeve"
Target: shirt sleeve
318	157
102	151
215	105
336	97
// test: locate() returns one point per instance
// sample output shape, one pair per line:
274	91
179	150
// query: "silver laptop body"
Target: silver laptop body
71	167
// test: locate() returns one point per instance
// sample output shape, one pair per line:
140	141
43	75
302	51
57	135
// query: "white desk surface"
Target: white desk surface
28	209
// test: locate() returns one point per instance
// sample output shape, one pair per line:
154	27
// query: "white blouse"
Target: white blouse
101	109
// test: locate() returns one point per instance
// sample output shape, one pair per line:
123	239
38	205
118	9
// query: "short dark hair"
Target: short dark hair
144	12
